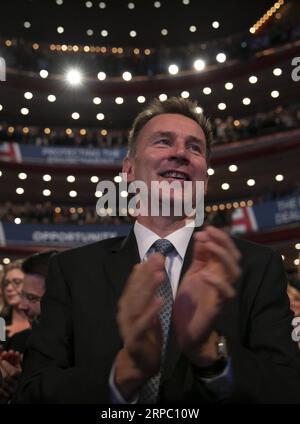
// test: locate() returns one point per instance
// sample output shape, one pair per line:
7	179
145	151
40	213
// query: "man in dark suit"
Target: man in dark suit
167	314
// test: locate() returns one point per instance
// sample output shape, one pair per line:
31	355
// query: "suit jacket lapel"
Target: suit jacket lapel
120	261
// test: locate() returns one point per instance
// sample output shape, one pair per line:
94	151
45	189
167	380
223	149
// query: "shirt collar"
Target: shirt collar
146	237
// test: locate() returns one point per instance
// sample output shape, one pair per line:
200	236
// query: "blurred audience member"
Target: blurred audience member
11	287
35	270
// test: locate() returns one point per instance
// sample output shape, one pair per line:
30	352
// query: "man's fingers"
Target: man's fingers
9	370
230	266
133	303
220	237
225	290
149	320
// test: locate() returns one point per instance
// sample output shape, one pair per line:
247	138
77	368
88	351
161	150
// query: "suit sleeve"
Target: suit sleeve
49	374
266	365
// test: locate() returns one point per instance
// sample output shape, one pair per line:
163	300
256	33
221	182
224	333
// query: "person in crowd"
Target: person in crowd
34	269
176	312
11	286
293	291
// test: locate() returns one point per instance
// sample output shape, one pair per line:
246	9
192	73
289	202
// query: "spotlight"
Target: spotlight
74	77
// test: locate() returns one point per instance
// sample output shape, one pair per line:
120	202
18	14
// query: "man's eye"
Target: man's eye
195	147
163	141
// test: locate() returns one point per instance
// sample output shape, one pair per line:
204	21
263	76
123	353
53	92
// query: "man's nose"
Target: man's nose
179	153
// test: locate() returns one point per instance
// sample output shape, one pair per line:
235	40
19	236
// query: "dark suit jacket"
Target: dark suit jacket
75	344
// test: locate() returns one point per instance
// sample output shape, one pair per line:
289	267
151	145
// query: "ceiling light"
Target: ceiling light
233	168
60	29
22	176
225	186
94	179
132	34
124	193
98	193
51	98
24	111
126	76
246	101
141	99
96	100
173	69
131	5
164	31
297	261
90	32
104	33
157	4
44	73
117	179
162	97
251	182
222	106
1	107
193	28
20	190
210	171
297	246
275	94
73	77
101	76
72	193
185	94
27	24
186	2
75	115
207	90
215	24
253	79
59	2
46	192
102	5
199	109
47	177
277	72
6	261
100	116
88	4
279	177
71	178
18	221
119	100
229	86
28	95
221	57
199	64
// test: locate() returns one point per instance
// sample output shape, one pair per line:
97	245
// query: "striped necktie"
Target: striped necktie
149	392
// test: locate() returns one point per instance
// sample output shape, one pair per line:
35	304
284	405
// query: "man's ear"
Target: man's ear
128	168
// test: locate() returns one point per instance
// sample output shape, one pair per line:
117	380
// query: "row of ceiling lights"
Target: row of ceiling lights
130	5
73	193
118	178
132	33
246	101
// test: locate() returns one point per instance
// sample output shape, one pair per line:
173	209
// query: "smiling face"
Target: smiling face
33	290
170	147
13	283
